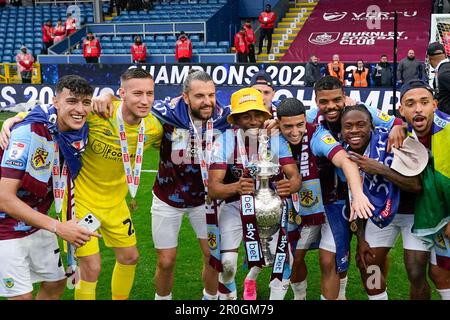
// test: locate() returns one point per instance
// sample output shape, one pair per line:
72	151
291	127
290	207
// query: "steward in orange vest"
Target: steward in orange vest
336	69
360	75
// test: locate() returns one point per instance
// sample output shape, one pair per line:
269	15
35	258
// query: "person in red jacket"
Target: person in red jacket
267	20
138	50
47	36
59	31
241	46
251	40
183	48
91	48
25	64
70	24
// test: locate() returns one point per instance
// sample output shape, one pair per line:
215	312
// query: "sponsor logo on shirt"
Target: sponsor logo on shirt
328	139
15	163
16	151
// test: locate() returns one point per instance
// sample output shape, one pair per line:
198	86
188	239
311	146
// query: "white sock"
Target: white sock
322	297
299	289
207	296
381	296
342	288
445	293
227	276
253	273
158	297
278	289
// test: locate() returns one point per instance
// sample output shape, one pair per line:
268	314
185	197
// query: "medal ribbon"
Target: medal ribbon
210	206
281	260
59	180
133	179
253	251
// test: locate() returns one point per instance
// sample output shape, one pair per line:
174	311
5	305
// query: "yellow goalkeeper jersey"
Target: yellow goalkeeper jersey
101	182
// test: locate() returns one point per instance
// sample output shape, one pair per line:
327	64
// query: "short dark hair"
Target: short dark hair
357	107
383	55
77	85
328	83
290	107
135	73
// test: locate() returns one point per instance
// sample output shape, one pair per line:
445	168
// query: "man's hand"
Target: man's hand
5	134
363	251
103	105
396	137
74	233
283	188
272	126
365	164
360	207
246	186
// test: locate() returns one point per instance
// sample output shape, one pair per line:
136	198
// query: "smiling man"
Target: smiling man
28	243
431	217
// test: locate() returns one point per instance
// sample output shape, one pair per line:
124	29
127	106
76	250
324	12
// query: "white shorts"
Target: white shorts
230	225
327	240
308	235
386	237
24	261
166	223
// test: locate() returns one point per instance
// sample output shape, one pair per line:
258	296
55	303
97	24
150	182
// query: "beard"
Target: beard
198	114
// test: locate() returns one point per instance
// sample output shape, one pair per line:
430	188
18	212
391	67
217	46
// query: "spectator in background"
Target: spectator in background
267	20
47	36
138	50
183	49
241	46
59	31
382	73
251	40
441	82
91	48
360	75
409	68
25	64
336	68
312	71
70	24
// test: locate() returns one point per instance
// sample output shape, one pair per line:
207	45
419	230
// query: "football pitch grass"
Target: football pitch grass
187	275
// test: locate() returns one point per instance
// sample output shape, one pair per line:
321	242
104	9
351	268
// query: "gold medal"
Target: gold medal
353	226
298	219
208	200
133	204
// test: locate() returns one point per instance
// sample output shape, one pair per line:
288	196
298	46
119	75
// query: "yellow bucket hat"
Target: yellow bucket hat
247	99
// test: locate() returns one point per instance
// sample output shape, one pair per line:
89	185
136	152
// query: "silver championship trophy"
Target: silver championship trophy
268	204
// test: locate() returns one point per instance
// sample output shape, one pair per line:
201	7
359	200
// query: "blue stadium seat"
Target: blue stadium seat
152	45
164	45
77	51
107	45
7	59
171	38
109	51
155	51
204	50
224	44
211	44
127	38
105	39
168	51
123	51
195	38
160	38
